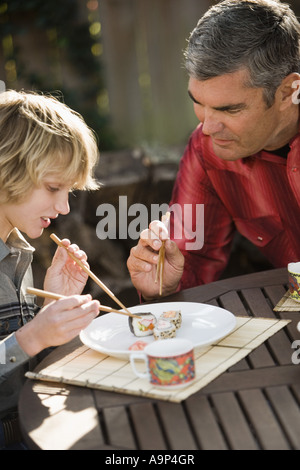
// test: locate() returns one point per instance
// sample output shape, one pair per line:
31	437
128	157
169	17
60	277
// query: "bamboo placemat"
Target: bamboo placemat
87	368
287	304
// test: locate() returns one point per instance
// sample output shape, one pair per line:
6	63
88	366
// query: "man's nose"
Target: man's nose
211	125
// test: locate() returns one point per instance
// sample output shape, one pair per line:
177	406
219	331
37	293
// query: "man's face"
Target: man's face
236	117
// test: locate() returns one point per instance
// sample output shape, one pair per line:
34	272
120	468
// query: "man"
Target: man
242	162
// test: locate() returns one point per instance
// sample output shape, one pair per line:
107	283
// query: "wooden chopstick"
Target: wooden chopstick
161	256
50	295
90	273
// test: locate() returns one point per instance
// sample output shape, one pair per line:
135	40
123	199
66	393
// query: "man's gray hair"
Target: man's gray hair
262	36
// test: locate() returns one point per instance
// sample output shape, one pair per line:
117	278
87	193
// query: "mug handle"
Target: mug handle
143	357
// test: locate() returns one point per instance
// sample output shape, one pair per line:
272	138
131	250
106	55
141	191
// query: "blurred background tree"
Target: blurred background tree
118	62
54	47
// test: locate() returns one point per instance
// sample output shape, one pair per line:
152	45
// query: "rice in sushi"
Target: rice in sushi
142	326
173	316
164	329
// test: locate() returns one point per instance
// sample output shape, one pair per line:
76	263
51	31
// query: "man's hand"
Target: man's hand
143	260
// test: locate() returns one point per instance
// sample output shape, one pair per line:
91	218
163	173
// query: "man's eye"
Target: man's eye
233	111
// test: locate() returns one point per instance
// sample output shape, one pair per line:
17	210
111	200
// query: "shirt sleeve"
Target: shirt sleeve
200	223
11	356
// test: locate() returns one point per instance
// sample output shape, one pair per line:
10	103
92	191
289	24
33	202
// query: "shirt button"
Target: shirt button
260	239
294	169
13	359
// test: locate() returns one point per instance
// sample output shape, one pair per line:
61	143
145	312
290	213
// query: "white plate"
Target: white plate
202	324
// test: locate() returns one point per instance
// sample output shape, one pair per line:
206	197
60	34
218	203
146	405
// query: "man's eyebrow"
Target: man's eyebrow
232	107
192	98
229	107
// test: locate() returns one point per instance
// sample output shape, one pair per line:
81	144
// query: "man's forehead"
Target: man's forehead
222	90
240	78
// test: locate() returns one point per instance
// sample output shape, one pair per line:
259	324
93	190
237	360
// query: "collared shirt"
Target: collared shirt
258	196
16	308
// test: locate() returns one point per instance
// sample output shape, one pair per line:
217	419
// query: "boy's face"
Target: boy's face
32	215
235	116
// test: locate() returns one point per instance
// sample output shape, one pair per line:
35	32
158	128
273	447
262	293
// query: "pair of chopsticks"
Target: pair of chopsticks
50	295
92	276
161	256
89	272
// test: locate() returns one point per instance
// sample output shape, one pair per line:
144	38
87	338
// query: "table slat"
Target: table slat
176	426
207	430
233	422
261	357
257	302
279	344
118	428
231	301
288	411
254	378
147	427
263	420
291	328
275	293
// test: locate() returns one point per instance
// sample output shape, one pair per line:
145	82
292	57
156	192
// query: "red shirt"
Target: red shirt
259	196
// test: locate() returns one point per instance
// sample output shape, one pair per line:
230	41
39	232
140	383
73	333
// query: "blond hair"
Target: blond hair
40	136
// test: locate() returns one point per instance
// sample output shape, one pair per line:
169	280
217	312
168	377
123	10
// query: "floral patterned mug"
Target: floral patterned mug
170	363
294	281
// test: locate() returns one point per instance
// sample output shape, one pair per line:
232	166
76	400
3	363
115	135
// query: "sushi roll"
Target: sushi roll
142	326
173	316
164	329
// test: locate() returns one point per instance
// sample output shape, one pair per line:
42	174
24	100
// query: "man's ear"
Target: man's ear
288	91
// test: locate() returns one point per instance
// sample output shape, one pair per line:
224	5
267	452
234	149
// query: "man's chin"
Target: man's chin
226	154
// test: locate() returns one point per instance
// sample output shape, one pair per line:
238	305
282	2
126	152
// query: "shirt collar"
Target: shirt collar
15	240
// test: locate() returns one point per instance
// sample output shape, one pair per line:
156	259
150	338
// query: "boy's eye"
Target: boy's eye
52	189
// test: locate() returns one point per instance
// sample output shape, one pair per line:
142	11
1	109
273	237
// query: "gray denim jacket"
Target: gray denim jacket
16	308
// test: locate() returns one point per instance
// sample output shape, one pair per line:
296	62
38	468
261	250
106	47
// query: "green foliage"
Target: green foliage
72	43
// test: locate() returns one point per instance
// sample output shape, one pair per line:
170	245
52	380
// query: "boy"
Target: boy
46	150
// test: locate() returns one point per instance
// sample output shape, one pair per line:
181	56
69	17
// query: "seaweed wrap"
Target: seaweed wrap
142	326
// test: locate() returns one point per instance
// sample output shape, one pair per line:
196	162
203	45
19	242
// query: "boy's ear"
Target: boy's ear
289	90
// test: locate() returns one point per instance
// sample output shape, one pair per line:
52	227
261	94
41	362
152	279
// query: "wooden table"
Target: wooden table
253	405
